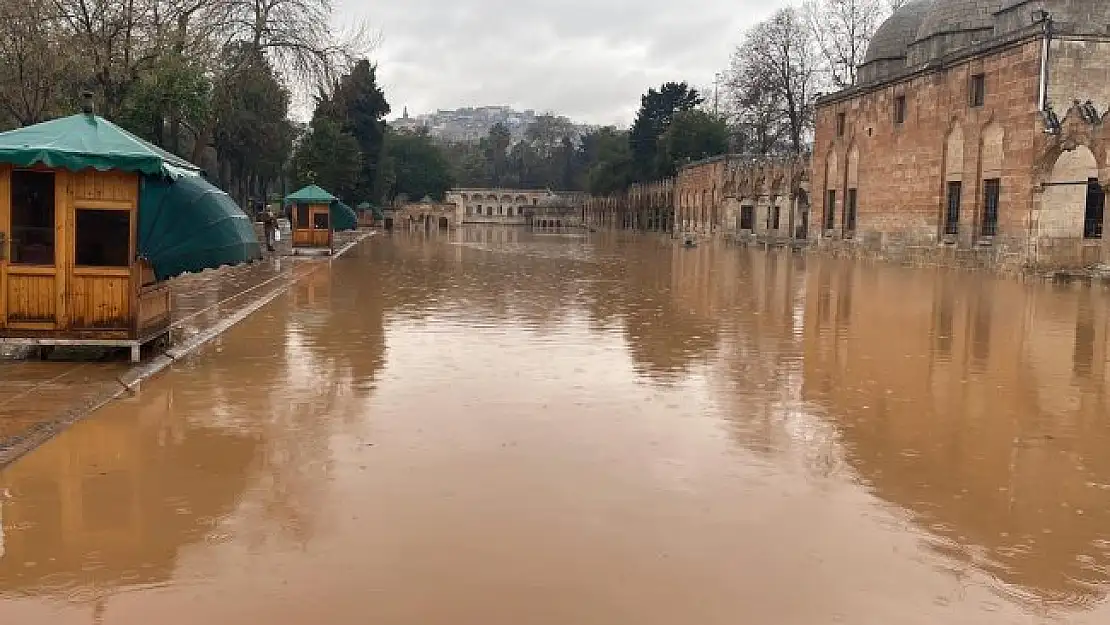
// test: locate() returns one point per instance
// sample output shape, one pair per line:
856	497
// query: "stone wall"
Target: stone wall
496	206
905	174
709	198
908	170
746	196
901	173
424	216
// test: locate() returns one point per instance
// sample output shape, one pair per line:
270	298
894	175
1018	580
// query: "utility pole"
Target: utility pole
716	86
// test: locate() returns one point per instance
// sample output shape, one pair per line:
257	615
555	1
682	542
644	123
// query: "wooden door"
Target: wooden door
321	226
32	223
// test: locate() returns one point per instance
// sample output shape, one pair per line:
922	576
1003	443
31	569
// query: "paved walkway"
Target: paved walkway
39	398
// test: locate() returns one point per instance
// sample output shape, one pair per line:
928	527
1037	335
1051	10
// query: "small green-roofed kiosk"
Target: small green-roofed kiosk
93	222
316	216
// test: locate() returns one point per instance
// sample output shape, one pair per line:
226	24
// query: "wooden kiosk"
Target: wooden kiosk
93	221
315	217
311	219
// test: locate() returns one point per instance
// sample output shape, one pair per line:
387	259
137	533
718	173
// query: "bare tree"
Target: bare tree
774	78
842	30
34	62
754	112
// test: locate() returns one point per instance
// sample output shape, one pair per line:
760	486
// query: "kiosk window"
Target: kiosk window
103	238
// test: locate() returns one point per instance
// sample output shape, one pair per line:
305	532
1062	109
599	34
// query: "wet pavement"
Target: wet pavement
38	397
507	428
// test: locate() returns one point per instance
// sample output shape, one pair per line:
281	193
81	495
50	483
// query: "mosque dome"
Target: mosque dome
886	52
897	33
924	30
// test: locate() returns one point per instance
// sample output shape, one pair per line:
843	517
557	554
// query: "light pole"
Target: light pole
716	85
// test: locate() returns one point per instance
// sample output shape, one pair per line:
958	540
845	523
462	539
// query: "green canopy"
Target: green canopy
82	141
311	194
185	223
343	217
189	225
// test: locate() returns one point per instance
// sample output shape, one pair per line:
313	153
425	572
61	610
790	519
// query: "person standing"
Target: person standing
269	226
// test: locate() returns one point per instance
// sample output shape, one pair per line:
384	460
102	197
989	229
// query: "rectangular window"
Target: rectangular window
489	211
840	123
900	109
952	210
992	188
320	221
978	90
775	217
302	217
103	238
32	218
1096	206
850	212
747	217
830	210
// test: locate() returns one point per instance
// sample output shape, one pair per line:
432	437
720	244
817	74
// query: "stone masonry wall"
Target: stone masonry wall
901	171
1079	70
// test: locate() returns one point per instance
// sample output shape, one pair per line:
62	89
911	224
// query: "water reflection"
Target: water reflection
115	505
956	398
556	421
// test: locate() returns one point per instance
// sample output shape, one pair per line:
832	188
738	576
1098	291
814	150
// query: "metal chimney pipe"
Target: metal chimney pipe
87	103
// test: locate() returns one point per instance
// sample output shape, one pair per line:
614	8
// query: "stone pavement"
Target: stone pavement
39	398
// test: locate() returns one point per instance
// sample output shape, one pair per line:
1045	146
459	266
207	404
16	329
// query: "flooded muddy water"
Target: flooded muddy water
506	428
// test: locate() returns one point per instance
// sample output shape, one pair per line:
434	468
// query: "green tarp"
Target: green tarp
311	194
82	141
185	223
189	225
343	217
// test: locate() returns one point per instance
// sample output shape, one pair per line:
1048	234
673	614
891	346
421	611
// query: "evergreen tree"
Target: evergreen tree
657	110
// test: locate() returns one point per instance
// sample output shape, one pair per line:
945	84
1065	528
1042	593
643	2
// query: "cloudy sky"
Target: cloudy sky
587	59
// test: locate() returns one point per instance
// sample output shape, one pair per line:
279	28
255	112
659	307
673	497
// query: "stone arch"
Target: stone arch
954	190
832	170
853	167
954	154
991	153
830	197
1064	201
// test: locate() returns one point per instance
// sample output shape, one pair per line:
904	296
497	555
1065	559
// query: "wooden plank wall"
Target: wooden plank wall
100	301
64	296
154	309
31	298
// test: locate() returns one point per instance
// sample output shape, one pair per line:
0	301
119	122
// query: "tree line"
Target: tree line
670	129
210	80
764	106
213	81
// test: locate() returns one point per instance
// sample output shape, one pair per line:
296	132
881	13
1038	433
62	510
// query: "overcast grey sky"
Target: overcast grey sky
587	59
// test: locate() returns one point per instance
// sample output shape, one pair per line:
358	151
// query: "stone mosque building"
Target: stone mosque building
975	133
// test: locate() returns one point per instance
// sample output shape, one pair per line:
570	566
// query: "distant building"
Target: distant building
975	130
472	124
509	207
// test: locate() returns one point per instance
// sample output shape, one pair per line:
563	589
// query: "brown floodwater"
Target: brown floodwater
502	428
